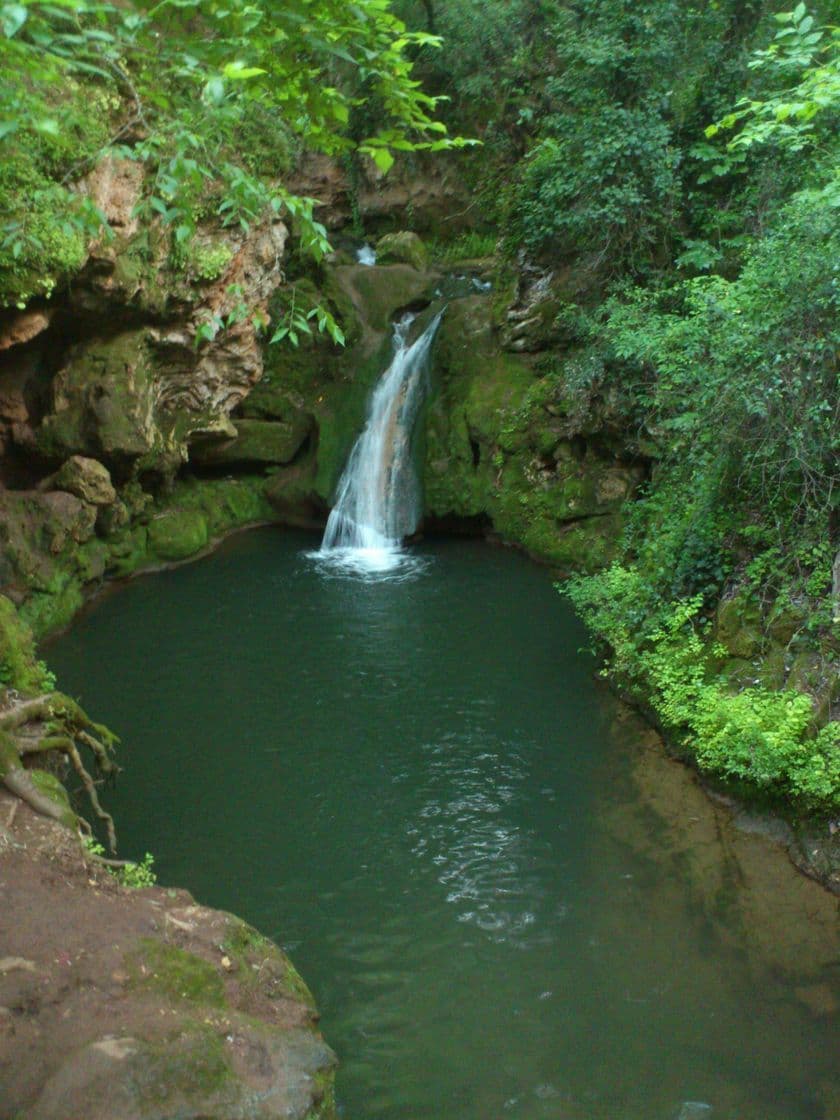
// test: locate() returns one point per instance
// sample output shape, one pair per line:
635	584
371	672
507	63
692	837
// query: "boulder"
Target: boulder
104	400
257	441
402	248
87	478
739	627
177	534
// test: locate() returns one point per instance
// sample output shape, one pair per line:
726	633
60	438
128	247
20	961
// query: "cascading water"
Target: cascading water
378	499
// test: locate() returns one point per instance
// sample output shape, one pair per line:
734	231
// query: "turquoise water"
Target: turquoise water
417	788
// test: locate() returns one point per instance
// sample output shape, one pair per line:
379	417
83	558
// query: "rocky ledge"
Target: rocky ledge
140	1003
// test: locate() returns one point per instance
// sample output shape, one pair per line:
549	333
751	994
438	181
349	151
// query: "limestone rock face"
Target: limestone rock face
104	400
257	441
137	394
431	190
115	186
25	327
86	478
505	443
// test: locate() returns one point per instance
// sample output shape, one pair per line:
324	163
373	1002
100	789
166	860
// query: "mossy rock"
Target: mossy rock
175	973
104	401
19	666
128	550
262	965
806	672
739	627
784	622
87	478
257	441
491	448
293	498
47	611
177	534
377	293
403	248
223	504
190	1066
772	670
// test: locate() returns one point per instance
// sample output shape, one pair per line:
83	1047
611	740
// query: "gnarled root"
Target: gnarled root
54	722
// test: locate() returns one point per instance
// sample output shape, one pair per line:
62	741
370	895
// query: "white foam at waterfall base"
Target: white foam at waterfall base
378	497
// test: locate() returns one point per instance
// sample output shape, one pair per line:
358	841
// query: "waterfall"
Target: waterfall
378	498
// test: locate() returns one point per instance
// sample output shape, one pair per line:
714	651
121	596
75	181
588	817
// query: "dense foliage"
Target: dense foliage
679	166
214	98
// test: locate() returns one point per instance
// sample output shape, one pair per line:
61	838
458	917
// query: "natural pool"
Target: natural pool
506	901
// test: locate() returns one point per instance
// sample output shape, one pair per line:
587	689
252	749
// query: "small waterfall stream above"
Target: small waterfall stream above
378	499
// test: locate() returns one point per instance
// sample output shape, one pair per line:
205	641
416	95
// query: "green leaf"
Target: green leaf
238	71
214	91
382	158
48	126
12	19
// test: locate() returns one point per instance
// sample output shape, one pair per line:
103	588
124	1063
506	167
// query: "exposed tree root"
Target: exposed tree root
54	722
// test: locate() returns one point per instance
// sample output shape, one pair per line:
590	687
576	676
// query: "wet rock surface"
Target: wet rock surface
504	442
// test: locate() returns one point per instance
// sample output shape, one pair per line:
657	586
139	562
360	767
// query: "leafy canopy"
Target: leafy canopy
212	96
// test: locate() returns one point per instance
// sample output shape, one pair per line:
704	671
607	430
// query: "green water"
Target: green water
417	788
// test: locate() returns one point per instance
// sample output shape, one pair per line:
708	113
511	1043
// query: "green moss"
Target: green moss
107	395
324	1092
49	785
493	447
262	965
177	534
189	1064
19	667
128	550
376	293
259	441
46	611
739	626
403	247
175	973
223	504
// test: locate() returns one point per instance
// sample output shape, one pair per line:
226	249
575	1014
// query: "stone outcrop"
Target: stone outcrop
140	1003
510	445
142	353
432	191
404	247
86	478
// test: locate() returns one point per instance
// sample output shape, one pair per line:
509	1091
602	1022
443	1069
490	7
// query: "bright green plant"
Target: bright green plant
764	738
296	320
129	874
803	62
185	76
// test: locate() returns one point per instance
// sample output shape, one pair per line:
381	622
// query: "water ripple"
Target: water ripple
389	564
